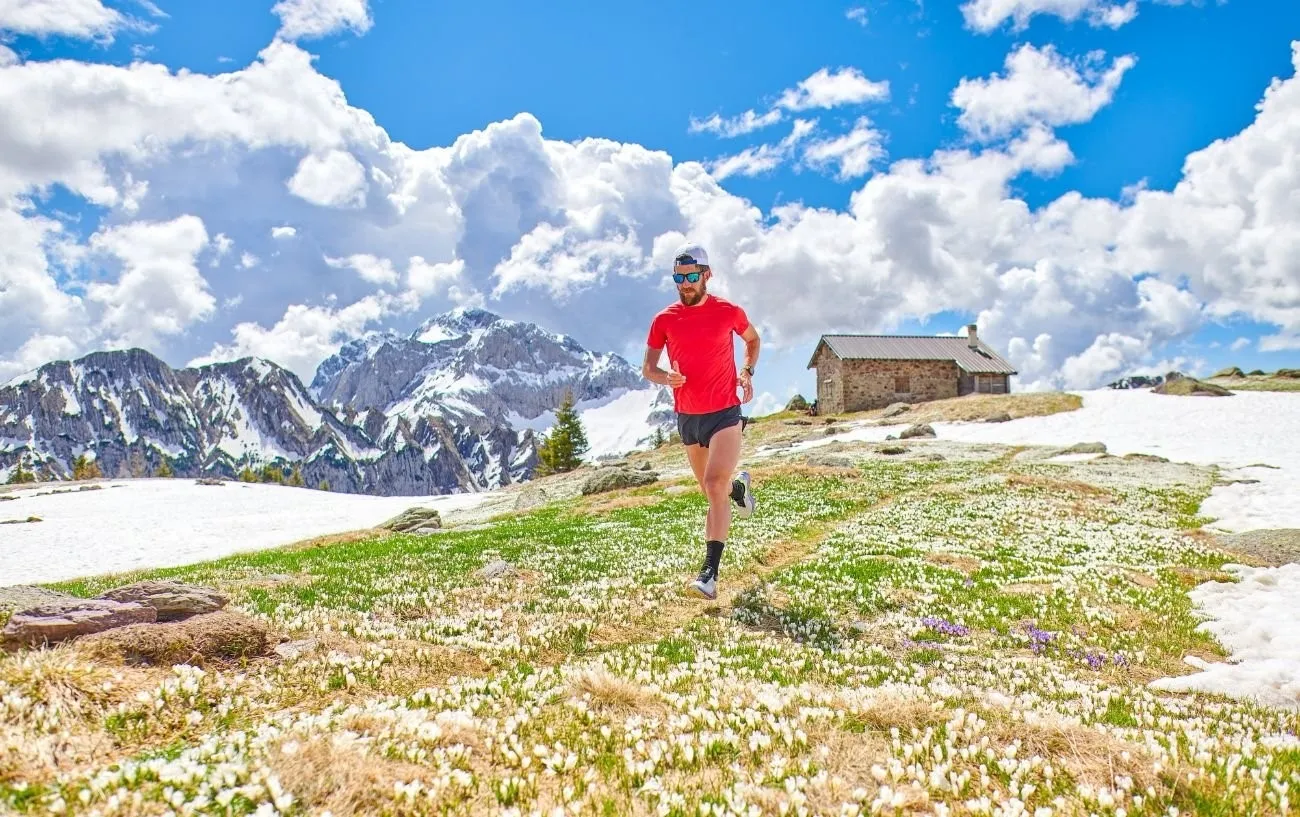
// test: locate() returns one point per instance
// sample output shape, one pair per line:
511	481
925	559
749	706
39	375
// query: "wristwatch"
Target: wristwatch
749	369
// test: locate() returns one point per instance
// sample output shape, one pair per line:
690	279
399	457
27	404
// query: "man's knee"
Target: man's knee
717	481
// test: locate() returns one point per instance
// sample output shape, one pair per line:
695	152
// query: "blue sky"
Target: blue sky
921	252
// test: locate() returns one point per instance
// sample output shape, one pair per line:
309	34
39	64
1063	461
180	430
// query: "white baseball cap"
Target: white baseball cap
690	254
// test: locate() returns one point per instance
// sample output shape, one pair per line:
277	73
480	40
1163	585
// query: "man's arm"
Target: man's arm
651	371
752	343
746	378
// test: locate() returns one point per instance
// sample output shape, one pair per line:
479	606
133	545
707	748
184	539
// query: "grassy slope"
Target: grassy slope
891	632
1257	383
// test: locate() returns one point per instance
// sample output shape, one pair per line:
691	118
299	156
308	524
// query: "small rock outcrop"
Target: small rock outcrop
415	520
56	621
797	403
173	601
895	409
1180	384
1085	448
917	430
26	596
495	570
612	479
999	417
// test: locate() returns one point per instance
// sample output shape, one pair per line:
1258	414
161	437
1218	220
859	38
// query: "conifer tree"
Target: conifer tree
85	468
164	469
563	448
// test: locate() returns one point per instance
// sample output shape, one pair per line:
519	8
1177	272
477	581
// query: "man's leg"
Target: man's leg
720	460
723	455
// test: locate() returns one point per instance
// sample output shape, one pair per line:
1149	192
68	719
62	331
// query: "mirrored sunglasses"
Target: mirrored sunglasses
681	277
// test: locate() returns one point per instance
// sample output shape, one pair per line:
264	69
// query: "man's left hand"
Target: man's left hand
745	381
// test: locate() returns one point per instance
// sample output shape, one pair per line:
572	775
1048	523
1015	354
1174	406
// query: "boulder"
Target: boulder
26	596
414	520
612	479
999	417
495	569
530	497
1179	384
56	621
797	403
209	481
1231	371
1085	448
173	601
222	634
895	409
917	430
892	450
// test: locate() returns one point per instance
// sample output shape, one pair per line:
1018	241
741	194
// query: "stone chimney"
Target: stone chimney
972	339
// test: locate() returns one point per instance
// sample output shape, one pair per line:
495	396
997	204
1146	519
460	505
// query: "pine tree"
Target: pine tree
164	470
21	476
659	439
247	475
85	468
324	485
562	449
295	478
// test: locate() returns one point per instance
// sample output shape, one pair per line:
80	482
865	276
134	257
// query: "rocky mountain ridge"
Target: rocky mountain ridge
455	406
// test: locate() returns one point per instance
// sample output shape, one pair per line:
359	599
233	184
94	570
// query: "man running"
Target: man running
702	373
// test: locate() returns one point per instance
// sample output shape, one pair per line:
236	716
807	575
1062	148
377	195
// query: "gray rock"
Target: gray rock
24	596
999	417
209	481
530	498
412	520
173	601
293	649
495	569
612	479
916	430
1085	448
895	409
56	621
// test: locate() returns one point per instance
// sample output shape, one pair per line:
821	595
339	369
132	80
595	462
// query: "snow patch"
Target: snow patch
150	523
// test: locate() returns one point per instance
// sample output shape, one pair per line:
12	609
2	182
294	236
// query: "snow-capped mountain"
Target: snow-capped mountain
453	407
495	382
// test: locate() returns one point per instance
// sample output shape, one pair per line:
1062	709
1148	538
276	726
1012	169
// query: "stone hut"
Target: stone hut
864	372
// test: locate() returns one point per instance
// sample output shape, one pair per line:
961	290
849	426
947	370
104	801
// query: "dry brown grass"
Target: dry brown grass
1087	754
343	538
596	504
975	407
223	634
607	692
1062	488
64	680
966	564
326	776
1190	577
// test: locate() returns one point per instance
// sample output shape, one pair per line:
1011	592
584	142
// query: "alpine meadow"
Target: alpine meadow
340	473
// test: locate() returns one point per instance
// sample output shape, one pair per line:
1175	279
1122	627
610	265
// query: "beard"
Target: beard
692	300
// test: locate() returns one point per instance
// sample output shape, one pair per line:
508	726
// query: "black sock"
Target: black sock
715	554
737	491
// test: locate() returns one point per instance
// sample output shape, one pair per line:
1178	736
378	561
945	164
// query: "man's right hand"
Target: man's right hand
675	378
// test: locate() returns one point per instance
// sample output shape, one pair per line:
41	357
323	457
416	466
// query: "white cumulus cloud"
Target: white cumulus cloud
1040	86
311	19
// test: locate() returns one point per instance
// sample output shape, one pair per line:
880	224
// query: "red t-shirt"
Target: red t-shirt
700	344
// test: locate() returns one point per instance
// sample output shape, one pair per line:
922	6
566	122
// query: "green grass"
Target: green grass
911	617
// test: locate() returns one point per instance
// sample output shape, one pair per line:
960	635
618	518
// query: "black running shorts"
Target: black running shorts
698	429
